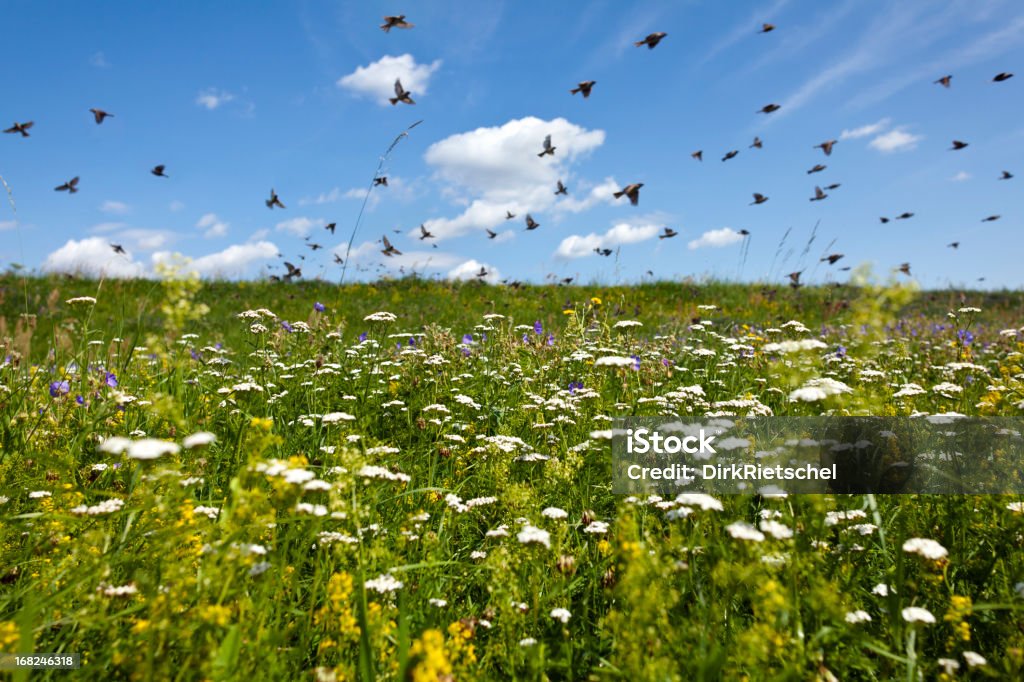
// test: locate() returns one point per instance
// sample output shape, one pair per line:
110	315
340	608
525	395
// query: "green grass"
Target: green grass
230	568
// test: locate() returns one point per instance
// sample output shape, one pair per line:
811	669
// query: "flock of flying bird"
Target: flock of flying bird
631	191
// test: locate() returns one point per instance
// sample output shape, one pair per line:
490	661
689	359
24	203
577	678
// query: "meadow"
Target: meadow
411	479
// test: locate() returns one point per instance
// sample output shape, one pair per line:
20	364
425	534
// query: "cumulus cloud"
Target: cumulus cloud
471	268
212	98
115	207
716	239
233	261
300	227
579	246
496	169
865	131
328	197
377	80
212	226
896	140
92	256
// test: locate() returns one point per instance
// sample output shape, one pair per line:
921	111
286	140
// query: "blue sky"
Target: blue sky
236	99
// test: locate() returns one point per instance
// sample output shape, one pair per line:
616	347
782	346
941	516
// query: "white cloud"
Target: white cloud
377	80
370	251
493	170
300	227
212	98
961	176
176	206
469	270
92	256
896	140
865	131
212	226
580	246
115	207
716	239
323	198
599	194
232	261
8	225
134	238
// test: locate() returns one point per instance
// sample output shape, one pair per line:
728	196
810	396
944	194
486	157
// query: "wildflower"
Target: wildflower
917	614
794	346
561	614
81	300
287	327
538	328
380	317
949	665
597	528
527	641
881	589
384	583
59	388
777	530
319	307
854	617
532	535
199	439
742	530
106	507
614	361
151	448
332	417
111	380
929	549
974	659
626	324
554	513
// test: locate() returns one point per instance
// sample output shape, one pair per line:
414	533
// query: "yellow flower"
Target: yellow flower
568	311
262	423
595	300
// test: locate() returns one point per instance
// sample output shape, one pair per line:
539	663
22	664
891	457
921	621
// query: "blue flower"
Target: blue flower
538	328
965	335
80	400
636	361
575	386
319	307
362	337
841	352
467	339
59	388
111	380
287	327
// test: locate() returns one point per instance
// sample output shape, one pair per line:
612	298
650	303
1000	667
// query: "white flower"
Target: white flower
794	346
199	439
384	583
833	518
974	659
561	614
83	300
38	494
115	445
532	535
614	361
259	568
777	530
881	589
118	590
554	513
908	390
209	512
439	603
916	614
949	665
380	317
597	527
151	448
625	324
298	476
854	617
741	530
818	389
104	507
332	417
929	549
947	390
1016	507
702	500
370	471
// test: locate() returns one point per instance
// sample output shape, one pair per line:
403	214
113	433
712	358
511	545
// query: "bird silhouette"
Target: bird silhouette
1000	77
274	200
668	233
957	145
424	233
99	115
905	216
584	88
632	192
730	154
767	28
745	233
382	180
293	272
769	108
699	155
1006	175
651	41
159	171
118	249
834	185
509	215
826	146
401	94
71	186
531	224
395	22
817	169
491	234
818	194
905	269
953	245
483	272
338	259
756	144
602	252
794	278
548	149
944	81
389	249
831	258
990	219
561	189
883	220
314	246
758	199
330	227
21	128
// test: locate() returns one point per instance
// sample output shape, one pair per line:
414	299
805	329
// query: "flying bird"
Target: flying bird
905	269
953	245
794	278
561	189
767	28
314	246
817	169
548	149
159	171
831	258
531	224
834	185
632	192
957	145
292	272
99	115
884	220
584	88
818	194
905	216
339	260
730	154
668	233
758	199
424	233
389	249
401	94
71	186
491	234
274	200
1006	175
826	146
651	41
395	22
990	219
756	144
330	227
699	155
602	252
483	272
745	233
118	248
509	215
769	108
21	128
944	81
1000	77
382	180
